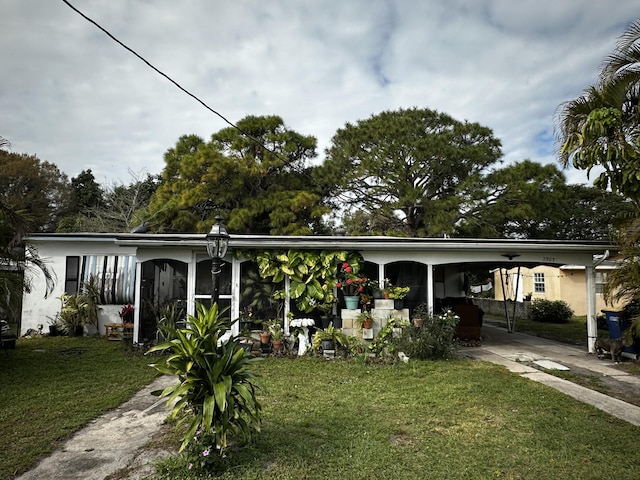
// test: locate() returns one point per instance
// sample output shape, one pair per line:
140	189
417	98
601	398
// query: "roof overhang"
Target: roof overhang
508	252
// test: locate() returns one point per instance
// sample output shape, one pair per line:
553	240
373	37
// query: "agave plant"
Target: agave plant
216	386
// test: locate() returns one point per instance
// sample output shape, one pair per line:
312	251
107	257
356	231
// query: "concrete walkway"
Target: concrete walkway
510	349
112	442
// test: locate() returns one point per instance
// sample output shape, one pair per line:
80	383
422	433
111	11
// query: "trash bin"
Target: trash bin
617	324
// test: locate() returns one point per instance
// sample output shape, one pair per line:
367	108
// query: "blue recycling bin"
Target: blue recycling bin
617	324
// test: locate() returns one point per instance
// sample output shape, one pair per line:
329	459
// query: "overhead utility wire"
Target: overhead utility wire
250	137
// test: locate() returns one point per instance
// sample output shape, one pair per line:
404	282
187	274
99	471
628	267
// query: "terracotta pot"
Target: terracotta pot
417	322
386	295
367	323
277	346
264	337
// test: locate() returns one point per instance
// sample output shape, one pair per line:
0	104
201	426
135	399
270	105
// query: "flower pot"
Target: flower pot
277	345
385	295
352	301
327	345
418	322
367	323
264	338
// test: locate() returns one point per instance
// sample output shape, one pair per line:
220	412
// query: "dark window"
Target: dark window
72	275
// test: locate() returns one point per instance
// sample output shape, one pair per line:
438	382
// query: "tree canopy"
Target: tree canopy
601	128
414	170
35	189
256	189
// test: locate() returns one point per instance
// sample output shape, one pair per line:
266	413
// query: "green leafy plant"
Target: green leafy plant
434	340
277	333
552	311
312	273
362	318
80	309
398	293
330	333
383	342
216	387
91	295
73	312
168	317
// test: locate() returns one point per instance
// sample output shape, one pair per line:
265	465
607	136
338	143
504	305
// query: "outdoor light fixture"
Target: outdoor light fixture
217	243
510	256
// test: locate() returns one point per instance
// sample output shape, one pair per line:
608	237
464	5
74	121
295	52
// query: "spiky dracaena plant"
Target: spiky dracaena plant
216	386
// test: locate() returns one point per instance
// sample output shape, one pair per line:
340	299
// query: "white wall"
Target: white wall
38	310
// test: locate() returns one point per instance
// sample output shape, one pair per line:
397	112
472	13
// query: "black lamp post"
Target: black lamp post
217	243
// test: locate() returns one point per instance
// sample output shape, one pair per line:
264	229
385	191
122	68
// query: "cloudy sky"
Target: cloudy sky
72	96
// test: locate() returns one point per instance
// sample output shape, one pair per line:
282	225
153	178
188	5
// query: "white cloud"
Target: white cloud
75	98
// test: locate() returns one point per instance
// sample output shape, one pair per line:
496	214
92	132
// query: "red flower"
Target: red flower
349	281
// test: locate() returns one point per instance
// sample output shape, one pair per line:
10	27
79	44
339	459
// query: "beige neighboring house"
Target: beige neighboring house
567	283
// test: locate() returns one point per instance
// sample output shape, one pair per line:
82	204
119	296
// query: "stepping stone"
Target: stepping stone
551	365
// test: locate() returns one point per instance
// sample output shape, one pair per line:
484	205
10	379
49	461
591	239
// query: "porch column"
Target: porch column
138	302
235	295
430	299
592	324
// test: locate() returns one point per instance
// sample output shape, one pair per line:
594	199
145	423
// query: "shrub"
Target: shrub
550	311
216	389
432	341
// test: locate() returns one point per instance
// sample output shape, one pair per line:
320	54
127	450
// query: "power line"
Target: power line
155	69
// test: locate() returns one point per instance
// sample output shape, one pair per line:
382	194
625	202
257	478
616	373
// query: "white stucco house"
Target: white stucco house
148	270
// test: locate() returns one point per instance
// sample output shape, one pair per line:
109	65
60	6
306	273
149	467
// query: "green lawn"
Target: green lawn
573	332
455	419
50	387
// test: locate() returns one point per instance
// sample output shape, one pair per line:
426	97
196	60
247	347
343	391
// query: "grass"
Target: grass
573	332
455	419
50	387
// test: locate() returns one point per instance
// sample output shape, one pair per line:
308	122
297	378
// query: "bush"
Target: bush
432	341
216	389
556	311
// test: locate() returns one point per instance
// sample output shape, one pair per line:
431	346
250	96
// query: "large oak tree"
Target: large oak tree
414	171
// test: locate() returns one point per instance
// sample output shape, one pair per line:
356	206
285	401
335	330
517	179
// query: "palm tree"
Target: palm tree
17	262
601	127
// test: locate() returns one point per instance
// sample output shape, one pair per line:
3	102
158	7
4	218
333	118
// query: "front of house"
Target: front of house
154	270
566	283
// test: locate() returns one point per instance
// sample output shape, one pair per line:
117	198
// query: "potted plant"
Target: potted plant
55	326
277	336
398	294
326	310
73	314
386	290
329	339
265	334
351	284
364	320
